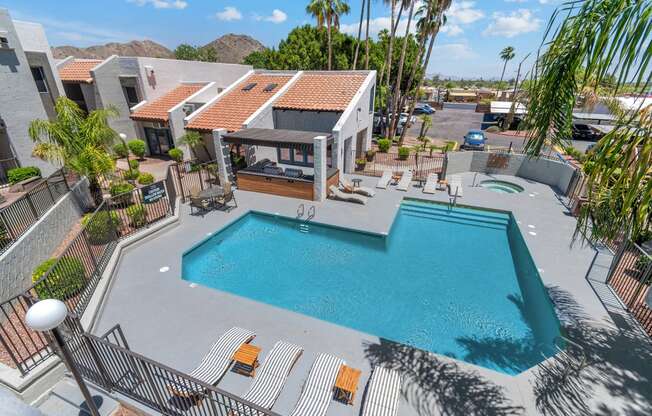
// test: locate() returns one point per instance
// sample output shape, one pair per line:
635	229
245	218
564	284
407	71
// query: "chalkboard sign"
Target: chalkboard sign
153	192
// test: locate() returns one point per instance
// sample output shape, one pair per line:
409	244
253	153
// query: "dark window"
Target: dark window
270	87
296	155
132	96
371	99
249	87
39	78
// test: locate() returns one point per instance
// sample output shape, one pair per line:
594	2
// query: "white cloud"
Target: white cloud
520	1
510	25
229	13
162	4
464	12
378	24
454	51
277	16
452	30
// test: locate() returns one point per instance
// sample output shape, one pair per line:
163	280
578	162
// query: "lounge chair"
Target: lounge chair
362	190
335	193
271	376
405	181
317	391
384	180
217	361
455	186
431	184
382	393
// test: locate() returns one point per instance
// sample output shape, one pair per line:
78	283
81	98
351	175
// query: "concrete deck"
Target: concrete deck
174	322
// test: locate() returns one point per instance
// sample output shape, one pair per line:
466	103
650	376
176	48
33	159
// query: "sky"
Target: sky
475	33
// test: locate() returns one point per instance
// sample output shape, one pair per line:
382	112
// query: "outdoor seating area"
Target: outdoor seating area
213	197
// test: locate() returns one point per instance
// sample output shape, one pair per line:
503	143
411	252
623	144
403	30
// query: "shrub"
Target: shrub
137	147
493	129
65	280
121	150
176	154
145	178
370	155
131	175
361	161
121	193
134	164
137	216
450	146
403	152
16	175
384	145
100	226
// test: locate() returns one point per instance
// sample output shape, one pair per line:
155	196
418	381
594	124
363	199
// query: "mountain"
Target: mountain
230	48
133	48
234	48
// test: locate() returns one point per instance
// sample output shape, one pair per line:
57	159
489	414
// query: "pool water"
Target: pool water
457	282
502	187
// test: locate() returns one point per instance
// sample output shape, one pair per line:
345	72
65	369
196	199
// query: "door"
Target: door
359	143
158	140
348	155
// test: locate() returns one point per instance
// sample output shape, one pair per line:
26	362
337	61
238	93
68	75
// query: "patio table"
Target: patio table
212	192
347	383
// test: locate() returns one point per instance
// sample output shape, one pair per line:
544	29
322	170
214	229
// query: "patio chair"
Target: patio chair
405	181
217	361
271	376
431	184
335	193
198	203
362	190
455	186
382	393
384	180
317	391
227	196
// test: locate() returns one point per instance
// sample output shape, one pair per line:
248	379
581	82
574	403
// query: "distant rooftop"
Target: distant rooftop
321	92
78	70
157	110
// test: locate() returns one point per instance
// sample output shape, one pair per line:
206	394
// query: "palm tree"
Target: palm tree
366	37
507	54
607	39
194	140
426	123
357	43
328	11
77	141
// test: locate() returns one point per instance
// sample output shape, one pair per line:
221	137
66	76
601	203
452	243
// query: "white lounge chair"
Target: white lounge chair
317	392
384	180
431	184
362	190
405	181
271	376
382	393
217	361
455	186
343	196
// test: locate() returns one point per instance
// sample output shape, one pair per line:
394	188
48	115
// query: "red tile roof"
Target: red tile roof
78	70
157	110
321	92
233	109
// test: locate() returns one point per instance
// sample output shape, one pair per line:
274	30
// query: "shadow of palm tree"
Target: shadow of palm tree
437	387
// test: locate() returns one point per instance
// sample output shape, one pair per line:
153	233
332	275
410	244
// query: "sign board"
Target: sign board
153	192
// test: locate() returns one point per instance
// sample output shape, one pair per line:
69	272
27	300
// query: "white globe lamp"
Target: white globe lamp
46	315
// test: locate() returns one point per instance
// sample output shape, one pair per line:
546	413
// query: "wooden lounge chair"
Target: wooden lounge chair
431	184
382	393
217	361
335	193
455	186
362	190
271	376
317	391
384	180
405	181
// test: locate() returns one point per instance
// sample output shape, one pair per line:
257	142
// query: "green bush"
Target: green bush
100	226
384	145
16	175
403	152
137	147
120	150
131	175
176	154
134	164
145	178
121	193
63	282
137	216
370	155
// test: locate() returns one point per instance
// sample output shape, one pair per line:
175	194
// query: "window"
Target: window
299	155
132	96
270	87
250	86
372	95
39	78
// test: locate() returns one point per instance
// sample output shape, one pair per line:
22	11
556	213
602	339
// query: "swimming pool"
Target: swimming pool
457	282
502	187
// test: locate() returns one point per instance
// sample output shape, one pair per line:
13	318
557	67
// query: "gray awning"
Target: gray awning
275	137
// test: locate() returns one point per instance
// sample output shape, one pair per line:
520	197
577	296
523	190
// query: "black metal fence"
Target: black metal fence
17	217
5	166
192	176
421	164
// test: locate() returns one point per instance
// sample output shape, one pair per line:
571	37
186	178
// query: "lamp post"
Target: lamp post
47	315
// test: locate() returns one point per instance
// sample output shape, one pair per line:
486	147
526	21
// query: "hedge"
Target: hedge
176	154
121	150
64	281
16	175
137	216
384	145
101	229
137	147
403	152
145	178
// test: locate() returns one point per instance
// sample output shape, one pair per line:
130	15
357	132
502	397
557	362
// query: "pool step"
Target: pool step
456	221
460	210
457	217
304	228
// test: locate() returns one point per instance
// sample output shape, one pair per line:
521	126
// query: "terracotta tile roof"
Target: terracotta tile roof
78	70
237	105
157	110
321	92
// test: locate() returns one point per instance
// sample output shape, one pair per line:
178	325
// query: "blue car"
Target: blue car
474	140
423	109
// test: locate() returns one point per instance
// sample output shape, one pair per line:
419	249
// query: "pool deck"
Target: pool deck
175	322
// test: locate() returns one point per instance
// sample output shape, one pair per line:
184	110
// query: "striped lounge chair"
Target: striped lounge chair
382	393
318	390
217	361
384	180
455	186
271	376
405	181
431	184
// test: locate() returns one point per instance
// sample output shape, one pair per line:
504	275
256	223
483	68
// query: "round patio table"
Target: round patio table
212	192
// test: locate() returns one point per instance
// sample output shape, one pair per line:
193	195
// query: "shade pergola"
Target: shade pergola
275	137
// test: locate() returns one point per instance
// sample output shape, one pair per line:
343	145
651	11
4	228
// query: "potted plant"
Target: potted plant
370	155
360	163
403	152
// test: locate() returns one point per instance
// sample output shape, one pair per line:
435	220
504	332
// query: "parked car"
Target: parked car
403	118
584	132
474	140
423	108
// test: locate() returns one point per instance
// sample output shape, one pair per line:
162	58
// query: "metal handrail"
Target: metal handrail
301	210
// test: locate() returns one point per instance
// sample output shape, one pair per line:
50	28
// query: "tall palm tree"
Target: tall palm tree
328	11
366	37
507	54
606	39
357	43
77	141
